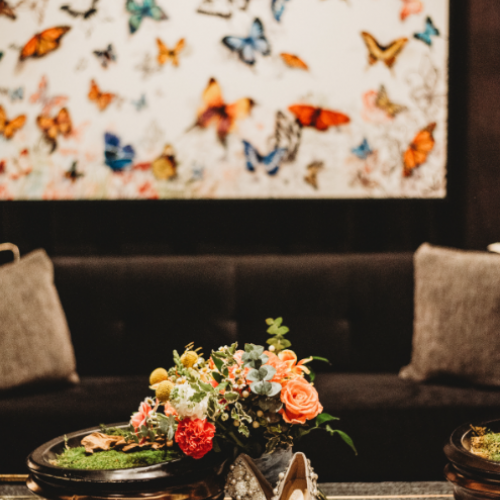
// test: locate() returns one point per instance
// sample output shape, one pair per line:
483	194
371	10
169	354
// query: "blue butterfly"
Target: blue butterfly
278	7
363	151
247	47
139	12
430	30
16	94
140	103
271	162
117	157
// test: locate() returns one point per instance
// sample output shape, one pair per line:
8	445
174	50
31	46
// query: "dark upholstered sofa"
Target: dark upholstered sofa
127	314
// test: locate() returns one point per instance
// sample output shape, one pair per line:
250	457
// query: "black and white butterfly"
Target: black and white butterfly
248	47
287	135
85	14
271	162
105	56
222	8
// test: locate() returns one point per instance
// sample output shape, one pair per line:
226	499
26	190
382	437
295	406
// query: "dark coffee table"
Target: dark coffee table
434	490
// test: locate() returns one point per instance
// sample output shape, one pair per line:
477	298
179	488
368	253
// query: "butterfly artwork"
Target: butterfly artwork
313	170
116	156
293	61
140	103
387	54
42	97
84	14
363	151
138	11
384	103
277	8
73	174
429	31
419	149
197	173
14	95
318	118
8	128
165	54
271	162
102	99
214	111
6	10
221	8
165	166
411	7
248	47
105	56
43	43
287	135
52	127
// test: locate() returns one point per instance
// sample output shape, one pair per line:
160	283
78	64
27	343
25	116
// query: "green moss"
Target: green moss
77	458
486	444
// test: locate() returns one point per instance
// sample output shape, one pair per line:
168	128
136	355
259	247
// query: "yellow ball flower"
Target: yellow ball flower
189	358
163	390
157	376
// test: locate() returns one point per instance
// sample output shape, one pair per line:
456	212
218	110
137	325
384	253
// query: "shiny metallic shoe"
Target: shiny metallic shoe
246	482
299	482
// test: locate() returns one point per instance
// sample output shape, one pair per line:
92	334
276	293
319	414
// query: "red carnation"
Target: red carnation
194	437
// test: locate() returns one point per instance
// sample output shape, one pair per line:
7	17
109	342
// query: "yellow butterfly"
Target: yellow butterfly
383	102
165	54
377	52
312	173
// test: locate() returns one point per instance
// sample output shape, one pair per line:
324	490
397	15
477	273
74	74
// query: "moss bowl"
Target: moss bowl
175	480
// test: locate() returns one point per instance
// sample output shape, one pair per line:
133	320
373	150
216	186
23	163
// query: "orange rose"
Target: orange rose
301	402
282	369
290	358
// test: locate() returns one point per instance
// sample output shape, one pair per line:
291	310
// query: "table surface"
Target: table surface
333	491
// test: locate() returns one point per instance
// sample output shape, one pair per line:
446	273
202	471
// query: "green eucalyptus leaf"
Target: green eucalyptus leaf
266	372
273	341
262	388
283	330
275	389
285	343
278	321
253	375
269	321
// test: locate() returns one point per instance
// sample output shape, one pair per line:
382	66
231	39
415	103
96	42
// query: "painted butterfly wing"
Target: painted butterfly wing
287	135
411	7
363	151
328	118
273	160
235	43
252	156
63	122
304	113
7	10
293	61
377	52
16	94
220	8
278	7
44	42
419	150
383	102
430	30
116	156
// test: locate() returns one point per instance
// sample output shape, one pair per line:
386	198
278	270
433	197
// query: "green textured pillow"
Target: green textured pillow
456	330
35	343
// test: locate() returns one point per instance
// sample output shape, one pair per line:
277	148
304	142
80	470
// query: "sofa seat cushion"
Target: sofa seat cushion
398	427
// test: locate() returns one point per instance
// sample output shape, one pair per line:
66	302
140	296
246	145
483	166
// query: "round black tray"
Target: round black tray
472	477
182	478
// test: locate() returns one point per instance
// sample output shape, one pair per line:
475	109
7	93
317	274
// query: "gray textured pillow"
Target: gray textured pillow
457	316
35	343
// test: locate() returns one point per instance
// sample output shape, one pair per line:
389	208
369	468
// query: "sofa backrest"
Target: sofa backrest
127	314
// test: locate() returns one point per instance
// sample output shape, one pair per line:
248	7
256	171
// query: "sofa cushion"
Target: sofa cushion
457	316
35	343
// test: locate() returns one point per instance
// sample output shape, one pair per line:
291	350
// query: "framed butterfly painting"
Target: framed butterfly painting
223	99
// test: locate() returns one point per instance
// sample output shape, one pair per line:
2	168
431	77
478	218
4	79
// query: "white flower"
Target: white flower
186	408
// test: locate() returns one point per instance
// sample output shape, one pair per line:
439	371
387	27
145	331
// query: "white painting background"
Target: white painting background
324	33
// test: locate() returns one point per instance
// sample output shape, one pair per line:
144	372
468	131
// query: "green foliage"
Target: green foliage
167	426
76	458
277	331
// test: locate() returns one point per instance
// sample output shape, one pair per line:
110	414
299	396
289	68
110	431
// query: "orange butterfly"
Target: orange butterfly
102	99
293	61
319	118
419	150
7	10
165	54
377	52
9	127
215	111
52	127
44	42
411	7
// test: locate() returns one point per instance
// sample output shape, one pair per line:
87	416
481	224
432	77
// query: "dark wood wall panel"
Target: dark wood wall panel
290	226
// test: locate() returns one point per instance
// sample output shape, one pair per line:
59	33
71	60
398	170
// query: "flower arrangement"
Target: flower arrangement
255	399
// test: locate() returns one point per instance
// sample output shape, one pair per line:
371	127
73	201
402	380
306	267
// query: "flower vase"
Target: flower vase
272	464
